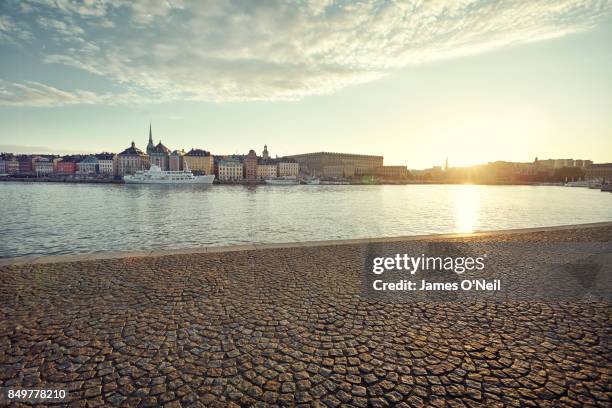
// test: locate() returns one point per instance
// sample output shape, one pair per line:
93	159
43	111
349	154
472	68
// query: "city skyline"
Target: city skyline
443	163
516	85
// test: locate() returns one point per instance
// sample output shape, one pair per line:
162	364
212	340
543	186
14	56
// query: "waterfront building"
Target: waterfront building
599	172
2	165
548	164
199	161
67	165
26	167
106	163
250	166
176	160
288	167
230	170
43	166
433	173
89	165
560	163
266	169
328	164
131	160
160	156
392	172
11	165
337	171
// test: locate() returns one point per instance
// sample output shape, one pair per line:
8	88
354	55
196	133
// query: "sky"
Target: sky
414	81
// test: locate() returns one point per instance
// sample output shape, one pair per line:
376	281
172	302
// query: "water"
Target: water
54	218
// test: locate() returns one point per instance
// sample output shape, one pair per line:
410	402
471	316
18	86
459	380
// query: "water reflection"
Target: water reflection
54	218
467	207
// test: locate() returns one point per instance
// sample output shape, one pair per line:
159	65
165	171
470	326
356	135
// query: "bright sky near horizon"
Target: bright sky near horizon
415	81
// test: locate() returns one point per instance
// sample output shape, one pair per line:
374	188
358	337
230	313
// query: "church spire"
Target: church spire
150	146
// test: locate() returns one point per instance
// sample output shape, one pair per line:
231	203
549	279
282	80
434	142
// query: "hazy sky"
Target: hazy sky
415	81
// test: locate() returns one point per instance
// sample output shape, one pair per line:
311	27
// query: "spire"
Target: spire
150	145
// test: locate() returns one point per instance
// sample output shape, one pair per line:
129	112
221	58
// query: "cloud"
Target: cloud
12	32
275	50
35	94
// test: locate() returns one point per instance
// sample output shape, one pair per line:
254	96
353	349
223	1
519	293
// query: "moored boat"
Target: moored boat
581	183
155	175
282	181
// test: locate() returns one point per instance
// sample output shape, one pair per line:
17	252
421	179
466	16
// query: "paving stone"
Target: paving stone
290	327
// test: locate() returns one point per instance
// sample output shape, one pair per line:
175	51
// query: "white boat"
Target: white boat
577	184
313	181
336	182
282	181
155	175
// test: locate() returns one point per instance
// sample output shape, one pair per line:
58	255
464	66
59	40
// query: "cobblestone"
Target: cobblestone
289	326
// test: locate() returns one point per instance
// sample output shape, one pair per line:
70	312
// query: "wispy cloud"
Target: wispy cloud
275	50
35	94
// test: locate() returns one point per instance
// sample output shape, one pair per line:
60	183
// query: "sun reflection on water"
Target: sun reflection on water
467	207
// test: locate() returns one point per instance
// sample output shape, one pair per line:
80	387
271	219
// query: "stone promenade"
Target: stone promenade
291	327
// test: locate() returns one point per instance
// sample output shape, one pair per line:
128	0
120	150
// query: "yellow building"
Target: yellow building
391	172
131	160
328	164
287	168
265	171
199	161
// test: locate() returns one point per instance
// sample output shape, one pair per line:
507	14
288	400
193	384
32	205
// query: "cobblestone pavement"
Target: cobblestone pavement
289	327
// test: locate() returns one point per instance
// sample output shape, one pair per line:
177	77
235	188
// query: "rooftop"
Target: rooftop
132	151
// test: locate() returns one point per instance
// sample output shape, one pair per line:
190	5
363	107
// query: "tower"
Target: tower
446	164
150	145
265	154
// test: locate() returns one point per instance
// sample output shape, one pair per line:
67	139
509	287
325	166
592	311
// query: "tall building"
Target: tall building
43	166
199	161
67	165
160	156
131	160
327	164
106	163
11	164
250	166
266	169
288	167
265	155
230	170
89	165
601	172
26	167
176	160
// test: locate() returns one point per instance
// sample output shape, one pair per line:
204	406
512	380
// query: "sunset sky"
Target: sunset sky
414	81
